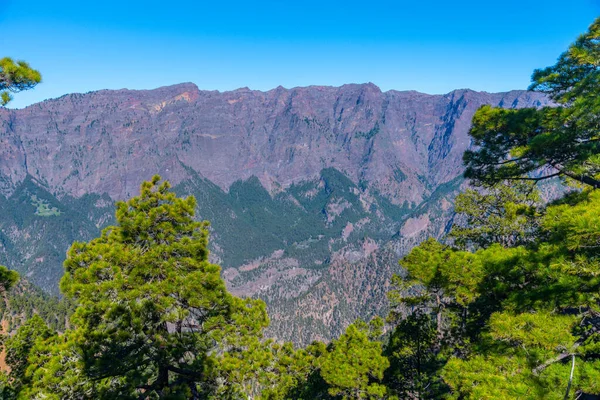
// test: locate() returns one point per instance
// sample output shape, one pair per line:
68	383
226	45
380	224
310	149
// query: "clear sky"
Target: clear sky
429	46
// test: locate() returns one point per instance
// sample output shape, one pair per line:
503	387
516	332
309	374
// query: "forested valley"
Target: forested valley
506	306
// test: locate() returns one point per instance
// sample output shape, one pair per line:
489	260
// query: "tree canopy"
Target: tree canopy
154	320
508	214
8	278
16	76
153	315
507	306
558	140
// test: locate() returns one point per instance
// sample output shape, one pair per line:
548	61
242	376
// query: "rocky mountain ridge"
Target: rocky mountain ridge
313	193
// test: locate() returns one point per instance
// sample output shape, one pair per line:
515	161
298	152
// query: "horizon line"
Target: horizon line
247	89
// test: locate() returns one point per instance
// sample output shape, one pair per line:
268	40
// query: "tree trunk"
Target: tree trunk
439	316
162	380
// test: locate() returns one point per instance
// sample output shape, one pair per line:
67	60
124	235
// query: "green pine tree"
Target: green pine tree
154	318
8	278
16	76
354	365
508	214
536	144
18	349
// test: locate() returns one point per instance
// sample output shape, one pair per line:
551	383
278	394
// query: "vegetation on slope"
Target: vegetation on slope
508	307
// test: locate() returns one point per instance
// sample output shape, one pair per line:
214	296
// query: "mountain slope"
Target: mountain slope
313	193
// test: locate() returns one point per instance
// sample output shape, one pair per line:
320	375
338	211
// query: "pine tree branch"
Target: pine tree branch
570	378
537	370
585	179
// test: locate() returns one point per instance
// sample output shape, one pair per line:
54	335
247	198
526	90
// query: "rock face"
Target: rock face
313	192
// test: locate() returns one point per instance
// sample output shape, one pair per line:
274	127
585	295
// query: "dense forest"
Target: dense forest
506	306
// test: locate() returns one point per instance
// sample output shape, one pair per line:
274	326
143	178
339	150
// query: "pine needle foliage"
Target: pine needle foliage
558	140
16	76
154	318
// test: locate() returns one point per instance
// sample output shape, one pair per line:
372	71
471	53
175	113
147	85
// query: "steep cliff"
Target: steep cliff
313	193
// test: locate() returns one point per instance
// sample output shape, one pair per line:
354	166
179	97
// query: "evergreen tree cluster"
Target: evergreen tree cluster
153	319
506	307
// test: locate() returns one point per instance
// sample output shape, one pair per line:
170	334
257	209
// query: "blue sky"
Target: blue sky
429	46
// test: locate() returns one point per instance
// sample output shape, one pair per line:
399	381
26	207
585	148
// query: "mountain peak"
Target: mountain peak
347	164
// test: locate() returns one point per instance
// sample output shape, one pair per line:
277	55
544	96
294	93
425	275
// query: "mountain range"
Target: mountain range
313	193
